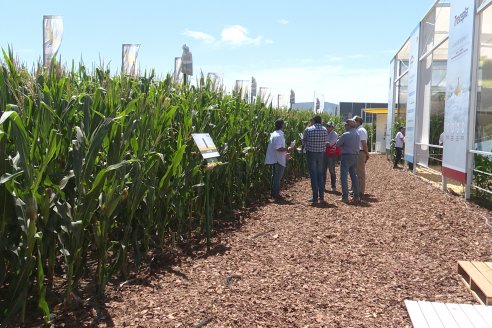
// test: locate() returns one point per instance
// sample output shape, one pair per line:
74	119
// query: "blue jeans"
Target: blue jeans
277	173
315	163
330	166
348	165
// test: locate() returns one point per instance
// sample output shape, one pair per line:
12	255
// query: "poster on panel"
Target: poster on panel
391	106
413	65
52	37
458	89
206	145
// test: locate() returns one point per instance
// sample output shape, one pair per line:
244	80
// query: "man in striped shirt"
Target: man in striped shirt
314	140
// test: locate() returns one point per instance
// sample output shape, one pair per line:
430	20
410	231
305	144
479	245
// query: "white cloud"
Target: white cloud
282	21
201	36
237	35
269	41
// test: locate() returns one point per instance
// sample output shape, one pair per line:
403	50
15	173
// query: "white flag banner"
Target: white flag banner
186	61
266	96
130	59
292	97
318	103
242	88
52	37
177	69
215	80
253	89
282	101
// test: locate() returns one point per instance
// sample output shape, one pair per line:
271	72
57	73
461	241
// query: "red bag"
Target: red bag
332	151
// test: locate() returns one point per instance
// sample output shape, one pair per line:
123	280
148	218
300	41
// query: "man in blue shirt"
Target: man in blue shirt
349	141
314	142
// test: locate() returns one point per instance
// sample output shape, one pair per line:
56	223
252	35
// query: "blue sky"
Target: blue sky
339	48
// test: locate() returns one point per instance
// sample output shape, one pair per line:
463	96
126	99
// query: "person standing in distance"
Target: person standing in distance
399	141
363	155
331	155
276	156
314	142
349	141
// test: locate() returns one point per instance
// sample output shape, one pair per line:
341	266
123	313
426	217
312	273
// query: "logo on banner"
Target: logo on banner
461	17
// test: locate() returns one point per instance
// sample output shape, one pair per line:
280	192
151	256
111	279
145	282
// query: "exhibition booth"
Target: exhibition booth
441	86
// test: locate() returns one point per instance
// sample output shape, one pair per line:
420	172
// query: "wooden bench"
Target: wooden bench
447	315
477	276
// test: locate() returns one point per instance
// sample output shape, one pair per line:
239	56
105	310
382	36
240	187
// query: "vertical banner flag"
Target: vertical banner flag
265	96
52	37
129	54
242	88
186	61
458	90
413	68
391	106
292	98
318	103
177	69
215	80
253	89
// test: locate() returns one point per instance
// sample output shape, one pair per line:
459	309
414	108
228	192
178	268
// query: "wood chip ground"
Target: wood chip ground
296	265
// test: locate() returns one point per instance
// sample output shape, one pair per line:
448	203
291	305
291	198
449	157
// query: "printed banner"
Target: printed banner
206	145
458	90
215	80
130	59
177	69
242	88
391	106
253	89
52	37
186	61
318	103
265	96
413	68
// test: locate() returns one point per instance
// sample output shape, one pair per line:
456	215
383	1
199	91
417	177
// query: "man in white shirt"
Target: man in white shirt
276	156
363	155
399	141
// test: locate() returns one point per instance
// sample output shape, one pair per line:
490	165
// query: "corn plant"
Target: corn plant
97	169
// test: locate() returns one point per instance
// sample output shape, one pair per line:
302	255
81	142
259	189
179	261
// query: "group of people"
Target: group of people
323	149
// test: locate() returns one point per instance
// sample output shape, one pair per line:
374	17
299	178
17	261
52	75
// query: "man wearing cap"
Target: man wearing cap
314	142
331	155
276	156
349	141
363	155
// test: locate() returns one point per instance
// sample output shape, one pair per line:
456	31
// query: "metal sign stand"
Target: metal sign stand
211	164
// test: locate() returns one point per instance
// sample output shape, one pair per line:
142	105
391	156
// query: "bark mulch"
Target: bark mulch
295	265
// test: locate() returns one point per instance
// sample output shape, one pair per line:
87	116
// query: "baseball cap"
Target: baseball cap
330	124
358	119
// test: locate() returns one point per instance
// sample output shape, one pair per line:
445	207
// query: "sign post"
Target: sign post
210	153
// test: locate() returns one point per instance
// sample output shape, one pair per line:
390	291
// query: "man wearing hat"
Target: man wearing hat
363	155
349	141
331	155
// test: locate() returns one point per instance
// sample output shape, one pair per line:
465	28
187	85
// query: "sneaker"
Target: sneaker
345	200
313	200
333	189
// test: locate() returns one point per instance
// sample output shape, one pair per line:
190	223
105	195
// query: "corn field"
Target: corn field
97	169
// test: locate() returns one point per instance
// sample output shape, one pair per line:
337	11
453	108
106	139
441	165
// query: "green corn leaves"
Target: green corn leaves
102	167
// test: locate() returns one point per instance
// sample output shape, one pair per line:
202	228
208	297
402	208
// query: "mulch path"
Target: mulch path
296	265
